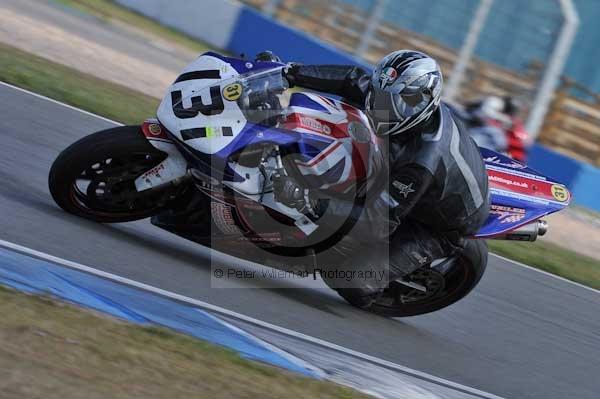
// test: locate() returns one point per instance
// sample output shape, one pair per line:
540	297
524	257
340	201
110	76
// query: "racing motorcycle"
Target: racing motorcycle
203	169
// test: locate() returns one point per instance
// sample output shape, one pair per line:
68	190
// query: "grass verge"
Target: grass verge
52	350
73	87
551	258
131	107
108	11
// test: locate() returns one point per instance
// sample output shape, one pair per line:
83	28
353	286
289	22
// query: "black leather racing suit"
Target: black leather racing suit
437	182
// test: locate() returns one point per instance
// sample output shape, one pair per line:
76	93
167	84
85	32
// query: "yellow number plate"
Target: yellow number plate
232	92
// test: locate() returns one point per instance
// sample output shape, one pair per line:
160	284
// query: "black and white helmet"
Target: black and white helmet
405	91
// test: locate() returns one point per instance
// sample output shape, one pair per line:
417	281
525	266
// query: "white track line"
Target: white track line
514	262
247	319
120	124
60	103
289	357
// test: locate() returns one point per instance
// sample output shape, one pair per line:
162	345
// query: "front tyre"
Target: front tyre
445	284
95	177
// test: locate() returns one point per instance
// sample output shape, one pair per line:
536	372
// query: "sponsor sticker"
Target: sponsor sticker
389	74
560	192
511	164
155	129
507	214
232	92
153	172
223	218
314	124
508	182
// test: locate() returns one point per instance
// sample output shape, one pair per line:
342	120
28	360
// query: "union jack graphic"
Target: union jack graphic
341	160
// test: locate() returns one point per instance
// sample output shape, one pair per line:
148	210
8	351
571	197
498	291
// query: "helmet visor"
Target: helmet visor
397	107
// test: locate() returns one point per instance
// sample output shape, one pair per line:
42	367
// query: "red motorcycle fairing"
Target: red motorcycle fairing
153	130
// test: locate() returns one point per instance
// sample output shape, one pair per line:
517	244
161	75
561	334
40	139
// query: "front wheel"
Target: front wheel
95	177
433	288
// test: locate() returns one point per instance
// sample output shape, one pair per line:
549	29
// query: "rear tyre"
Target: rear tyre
446	284
94	177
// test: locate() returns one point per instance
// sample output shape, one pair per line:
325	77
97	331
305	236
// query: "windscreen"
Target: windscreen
254	93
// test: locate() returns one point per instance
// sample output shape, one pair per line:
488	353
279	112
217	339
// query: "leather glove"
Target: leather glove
290	193
289	73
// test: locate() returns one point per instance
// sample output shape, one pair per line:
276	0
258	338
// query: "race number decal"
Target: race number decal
560	193
216	106
232	92
199	111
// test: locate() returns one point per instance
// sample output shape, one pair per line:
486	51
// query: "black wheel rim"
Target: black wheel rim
108	186
440	282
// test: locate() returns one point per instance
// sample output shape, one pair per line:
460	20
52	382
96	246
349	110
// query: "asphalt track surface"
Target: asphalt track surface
520	334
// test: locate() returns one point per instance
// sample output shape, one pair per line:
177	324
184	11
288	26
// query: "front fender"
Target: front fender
173	167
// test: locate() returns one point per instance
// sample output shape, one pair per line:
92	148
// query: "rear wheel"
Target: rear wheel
433	288
95	177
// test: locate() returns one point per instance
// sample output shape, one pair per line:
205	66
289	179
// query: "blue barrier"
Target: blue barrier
586	188
582	179
255	32
213	22
36	276
557	166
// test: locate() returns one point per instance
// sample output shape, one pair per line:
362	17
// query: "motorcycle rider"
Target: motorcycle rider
487	123
438	186
494	123
517	135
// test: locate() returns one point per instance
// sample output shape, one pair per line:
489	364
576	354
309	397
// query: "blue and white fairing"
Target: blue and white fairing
519	195
196	109
209	107
202	107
